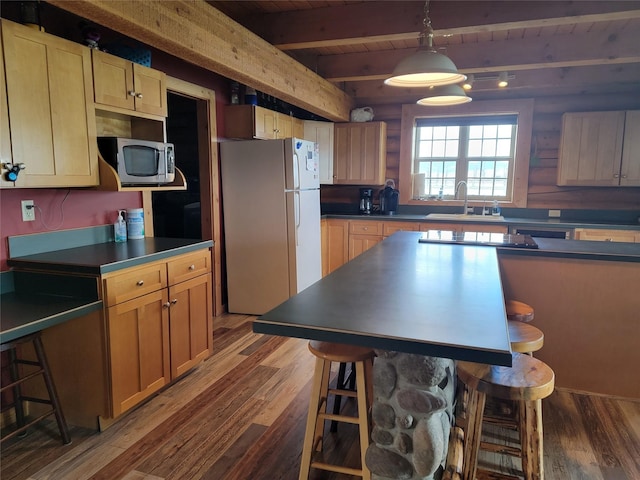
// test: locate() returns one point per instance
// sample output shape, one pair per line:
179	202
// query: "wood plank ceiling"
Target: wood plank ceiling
547	47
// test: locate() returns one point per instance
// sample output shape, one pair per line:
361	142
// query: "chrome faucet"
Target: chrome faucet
466	197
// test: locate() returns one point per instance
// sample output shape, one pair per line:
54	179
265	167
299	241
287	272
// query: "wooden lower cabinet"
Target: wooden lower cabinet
335	249
607	235
361	243
138	345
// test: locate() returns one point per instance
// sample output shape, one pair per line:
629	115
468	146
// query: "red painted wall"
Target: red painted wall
82	208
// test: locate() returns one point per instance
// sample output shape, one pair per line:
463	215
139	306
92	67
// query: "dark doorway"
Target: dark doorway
176	214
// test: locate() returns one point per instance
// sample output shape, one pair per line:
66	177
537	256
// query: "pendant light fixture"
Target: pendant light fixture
425	67
445	95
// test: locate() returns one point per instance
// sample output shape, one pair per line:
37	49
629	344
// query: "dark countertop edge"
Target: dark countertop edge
389	344
507	221
570	255
50	321
25	262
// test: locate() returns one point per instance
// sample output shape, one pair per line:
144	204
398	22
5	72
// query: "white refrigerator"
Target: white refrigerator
271	207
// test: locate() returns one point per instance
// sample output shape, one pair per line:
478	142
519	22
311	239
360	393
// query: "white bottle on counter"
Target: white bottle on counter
120	228
135	223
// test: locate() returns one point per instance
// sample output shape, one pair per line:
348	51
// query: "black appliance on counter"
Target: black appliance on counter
366	201
388	200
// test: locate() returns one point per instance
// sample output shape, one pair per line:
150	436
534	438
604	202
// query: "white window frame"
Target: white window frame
520	176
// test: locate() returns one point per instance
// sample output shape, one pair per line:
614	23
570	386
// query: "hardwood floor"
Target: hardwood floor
241	415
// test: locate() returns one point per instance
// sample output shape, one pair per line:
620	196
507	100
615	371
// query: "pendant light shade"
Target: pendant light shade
445	95
425	67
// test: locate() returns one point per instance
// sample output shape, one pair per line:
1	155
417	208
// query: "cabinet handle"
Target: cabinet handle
132	93
140	283
174	301
365	228
192	267
166	305
138	95
624	176
615	175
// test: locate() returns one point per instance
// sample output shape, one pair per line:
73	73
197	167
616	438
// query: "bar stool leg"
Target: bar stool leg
473	433
338	398
17	391
363	416
312	423
51	389
531	439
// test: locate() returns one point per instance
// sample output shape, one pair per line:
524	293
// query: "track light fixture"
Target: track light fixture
501	79
468	84
425	67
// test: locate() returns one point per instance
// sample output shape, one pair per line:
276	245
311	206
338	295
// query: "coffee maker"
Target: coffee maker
388	200
366	201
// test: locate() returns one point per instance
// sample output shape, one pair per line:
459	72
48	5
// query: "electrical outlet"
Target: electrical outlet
554	213
28	211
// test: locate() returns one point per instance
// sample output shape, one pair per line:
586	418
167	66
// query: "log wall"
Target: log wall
543	191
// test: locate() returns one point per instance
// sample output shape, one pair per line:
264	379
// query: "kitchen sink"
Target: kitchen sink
465	217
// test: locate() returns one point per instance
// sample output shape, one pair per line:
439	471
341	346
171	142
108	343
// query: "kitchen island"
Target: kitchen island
420	306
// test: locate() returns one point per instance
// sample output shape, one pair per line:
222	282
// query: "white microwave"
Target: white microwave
139	162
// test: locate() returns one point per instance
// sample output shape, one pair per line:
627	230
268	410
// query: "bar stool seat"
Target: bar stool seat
326	354
527	381
40	366
525	338
519	311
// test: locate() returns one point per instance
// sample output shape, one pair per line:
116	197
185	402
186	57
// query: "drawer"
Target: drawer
365	227
134	282
188	266
389	228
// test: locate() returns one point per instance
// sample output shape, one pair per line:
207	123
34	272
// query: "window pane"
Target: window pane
490	131
424	149
475	131
474	169
424	167
438	148
487	169
453	133
500	188
503	148
504	131
439	133
486	187
489	148
451	149
502	169
475	148
426	133
450	169
436	169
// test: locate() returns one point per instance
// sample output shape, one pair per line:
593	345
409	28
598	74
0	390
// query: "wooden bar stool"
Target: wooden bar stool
327	353
518	311
527	381
41	368
524	338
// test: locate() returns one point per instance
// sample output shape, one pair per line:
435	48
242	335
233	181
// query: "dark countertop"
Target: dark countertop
430	299
107	257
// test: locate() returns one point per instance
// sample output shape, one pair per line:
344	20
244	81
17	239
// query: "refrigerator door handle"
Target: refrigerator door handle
297	214
296	171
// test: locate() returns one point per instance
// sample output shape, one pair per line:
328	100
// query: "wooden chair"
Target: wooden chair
41	368
527	381
326	354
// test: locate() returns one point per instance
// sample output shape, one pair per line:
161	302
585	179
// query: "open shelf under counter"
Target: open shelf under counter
110	181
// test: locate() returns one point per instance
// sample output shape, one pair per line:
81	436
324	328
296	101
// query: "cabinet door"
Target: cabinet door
113	80
389	228
138	339
284	126
361	243
5	138
630	169
322	134
150	90
606	235
337	246
591	148
190	323
360	153
297	127
265	126
51	111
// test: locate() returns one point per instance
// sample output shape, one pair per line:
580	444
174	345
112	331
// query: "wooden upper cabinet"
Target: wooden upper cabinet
5	137
322	134
600	149
252	121
51	110
122	84
360	151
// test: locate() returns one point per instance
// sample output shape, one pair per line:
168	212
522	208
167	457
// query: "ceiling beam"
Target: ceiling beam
195	32
513	55
373	22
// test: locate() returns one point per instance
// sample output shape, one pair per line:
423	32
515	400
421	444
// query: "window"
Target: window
485	143
478	150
